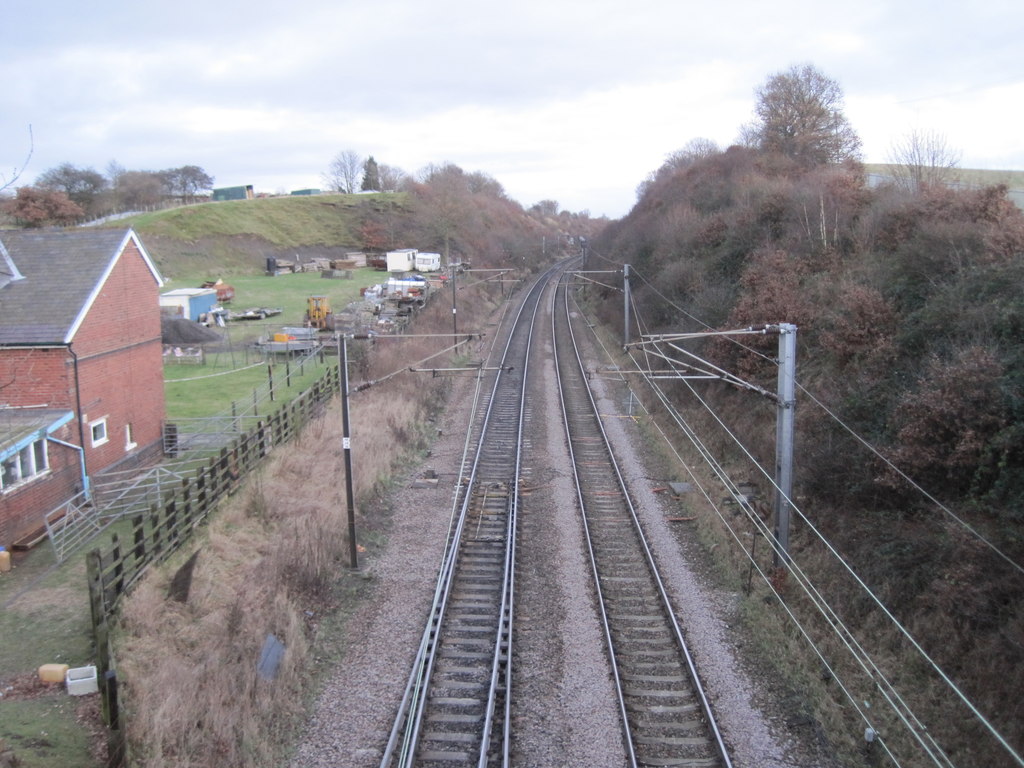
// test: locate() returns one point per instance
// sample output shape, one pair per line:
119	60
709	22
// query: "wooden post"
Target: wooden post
346	444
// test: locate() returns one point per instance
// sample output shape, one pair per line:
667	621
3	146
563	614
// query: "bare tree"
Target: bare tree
139	190
16	172
693	152
391	178
922	159
86	187
192	180
344	172
799	114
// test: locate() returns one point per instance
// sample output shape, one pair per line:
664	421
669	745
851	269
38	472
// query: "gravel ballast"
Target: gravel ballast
564	713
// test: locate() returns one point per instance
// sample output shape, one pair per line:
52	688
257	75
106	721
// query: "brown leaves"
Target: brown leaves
944	425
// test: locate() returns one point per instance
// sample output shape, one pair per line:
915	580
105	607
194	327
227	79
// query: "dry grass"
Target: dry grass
270	562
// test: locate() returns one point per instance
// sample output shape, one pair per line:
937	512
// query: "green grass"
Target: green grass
44	619
973	176
281	221
289	292
53	616
228	376
210	390
43	732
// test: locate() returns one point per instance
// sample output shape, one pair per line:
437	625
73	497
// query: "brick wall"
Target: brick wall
35	376
120	364
23	508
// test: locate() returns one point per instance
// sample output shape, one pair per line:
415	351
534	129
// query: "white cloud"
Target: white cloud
576	100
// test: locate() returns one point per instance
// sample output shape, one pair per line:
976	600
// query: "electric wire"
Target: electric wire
885	687
831	414
734	491
919	731
878	454
845	636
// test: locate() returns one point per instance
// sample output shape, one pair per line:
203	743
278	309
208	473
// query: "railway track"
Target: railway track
455	710
666	715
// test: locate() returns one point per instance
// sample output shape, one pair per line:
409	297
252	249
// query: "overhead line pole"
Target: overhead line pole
625	291
785	421
784	429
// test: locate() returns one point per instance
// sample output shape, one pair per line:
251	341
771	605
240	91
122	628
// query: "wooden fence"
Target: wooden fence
112	572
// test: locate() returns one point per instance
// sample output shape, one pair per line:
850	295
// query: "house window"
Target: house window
128	442
30	461
98	430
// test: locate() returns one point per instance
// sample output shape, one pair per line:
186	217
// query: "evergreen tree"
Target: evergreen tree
371	175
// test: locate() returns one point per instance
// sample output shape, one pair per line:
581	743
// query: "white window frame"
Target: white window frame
24	466
129	441
101	424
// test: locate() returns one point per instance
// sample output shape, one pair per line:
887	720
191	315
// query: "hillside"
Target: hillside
909	471
970	177
463	216
239	235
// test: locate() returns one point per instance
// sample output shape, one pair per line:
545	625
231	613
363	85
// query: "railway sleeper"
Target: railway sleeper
679	762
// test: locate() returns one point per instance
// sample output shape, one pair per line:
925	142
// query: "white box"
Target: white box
81	680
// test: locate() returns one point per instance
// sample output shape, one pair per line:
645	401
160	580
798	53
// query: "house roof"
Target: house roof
23	426
62	273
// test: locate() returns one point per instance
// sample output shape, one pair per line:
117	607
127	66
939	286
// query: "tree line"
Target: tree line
909	303
68	193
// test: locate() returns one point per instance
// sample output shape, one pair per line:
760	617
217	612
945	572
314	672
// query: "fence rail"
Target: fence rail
160	531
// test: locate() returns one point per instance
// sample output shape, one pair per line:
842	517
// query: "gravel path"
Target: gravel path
563	713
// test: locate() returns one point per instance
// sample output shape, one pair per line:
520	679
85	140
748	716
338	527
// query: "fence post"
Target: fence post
139	536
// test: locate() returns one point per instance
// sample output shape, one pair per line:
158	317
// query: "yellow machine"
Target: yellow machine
318	308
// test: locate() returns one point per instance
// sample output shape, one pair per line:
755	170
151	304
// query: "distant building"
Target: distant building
402	260
306	192
233	193
428	262
190	303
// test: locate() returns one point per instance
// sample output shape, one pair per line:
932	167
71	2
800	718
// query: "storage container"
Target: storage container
82	680
53	673
5	560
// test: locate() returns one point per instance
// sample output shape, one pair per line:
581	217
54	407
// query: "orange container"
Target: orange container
53	673
5	560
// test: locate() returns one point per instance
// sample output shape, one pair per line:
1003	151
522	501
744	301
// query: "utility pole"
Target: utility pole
455	324
346	444
784	427
625	292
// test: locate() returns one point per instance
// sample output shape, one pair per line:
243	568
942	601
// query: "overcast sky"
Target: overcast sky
570	100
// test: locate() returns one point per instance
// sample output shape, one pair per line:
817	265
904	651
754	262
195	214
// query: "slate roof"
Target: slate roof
22	426
61	274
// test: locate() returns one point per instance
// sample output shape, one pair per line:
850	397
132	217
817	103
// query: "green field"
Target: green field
231	372
281	221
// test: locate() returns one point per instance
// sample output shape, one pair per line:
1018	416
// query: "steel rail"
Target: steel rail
654	680
489	498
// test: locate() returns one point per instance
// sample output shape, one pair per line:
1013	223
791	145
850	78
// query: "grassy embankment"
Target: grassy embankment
43	607
972	177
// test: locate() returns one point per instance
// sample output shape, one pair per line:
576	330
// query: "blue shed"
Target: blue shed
190	303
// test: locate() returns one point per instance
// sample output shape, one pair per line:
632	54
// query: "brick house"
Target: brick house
81	371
